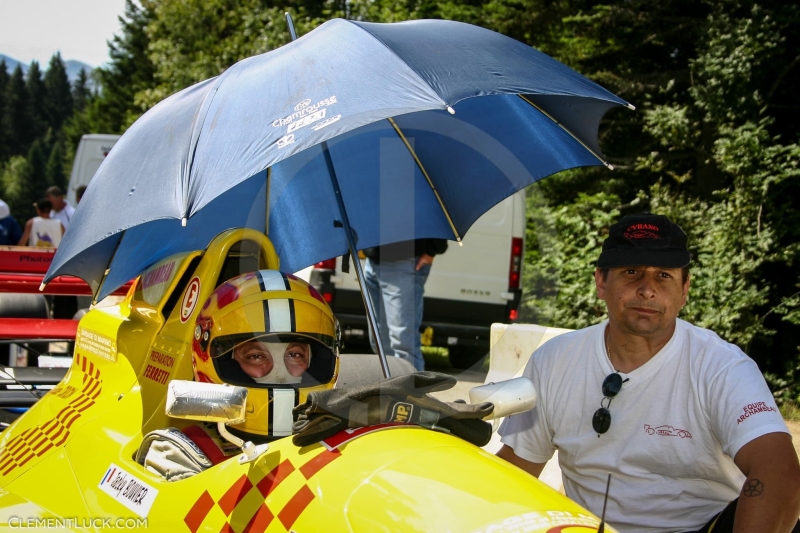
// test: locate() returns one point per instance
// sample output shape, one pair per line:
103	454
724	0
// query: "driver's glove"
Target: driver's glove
402	399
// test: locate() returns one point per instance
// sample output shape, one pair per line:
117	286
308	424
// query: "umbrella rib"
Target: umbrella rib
108	268
560	125
427	177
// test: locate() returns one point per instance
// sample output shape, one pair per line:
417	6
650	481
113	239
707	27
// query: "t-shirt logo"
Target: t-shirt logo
43	240
667	431
753	409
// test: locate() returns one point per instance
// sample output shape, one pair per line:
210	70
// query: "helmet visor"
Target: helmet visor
270	359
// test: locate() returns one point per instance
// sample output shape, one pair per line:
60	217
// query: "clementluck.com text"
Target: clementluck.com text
16	522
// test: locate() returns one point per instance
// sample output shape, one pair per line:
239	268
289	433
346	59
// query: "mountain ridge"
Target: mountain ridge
72	66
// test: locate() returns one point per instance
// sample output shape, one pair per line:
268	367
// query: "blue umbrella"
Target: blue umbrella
426	124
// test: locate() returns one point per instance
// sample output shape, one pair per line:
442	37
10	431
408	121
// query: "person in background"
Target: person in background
61	210
79	193
395	277
41	230
681	420
10	232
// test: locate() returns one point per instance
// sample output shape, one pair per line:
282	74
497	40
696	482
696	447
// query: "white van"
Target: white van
92	150
469	288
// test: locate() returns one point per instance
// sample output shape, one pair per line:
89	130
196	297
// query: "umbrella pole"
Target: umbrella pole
351	243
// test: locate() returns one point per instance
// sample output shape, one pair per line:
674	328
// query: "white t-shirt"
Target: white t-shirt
675	426
45	233
65	215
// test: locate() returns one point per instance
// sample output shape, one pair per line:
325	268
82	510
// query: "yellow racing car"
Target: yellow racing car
73	461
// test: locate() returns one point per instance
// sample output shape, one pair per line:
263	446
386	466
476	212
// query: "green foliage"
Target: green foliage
17	119
54	171
790	410
36	100
58	103
563	244
129	72
14	188
220	33
80	91
36	180
4	133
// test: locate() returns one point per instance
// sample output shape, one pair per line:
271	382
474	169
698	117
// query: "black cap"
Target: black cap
645	240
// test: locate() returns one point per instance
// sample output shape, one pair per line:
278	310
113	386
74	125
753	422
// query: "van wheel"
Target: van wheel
465	357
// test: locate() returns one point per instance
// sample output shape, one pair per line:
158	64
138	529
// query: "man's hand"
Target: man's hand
424	259
770	497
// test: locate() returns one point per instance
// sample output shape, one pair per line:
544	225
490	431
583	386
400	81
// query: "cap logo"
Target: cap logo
642	231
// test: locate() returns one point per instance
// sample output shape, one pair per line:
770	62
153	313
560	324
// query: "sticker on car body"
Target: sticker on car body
128	490
190	299
96	343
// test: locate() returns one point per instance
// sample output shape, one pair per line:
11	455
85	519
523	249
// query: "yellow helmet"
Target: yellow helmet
274	334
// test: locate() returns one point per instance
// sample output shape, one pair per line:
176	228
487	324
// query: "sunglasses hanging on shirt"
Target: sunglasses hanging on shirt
601	420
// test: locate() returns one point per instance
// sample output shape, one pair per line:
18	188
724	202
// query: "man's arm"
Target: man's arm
24	240
507	453
770	497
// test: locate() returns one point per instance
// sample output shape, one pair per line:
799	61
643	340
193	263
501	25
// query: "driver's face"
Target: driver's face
254	358
296	358
257	360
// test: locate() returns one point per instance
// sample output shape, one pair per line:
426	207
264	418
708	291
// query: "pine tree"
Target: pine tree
37	178
58	101
17	120
130	69
54	172
4	80
80	91
37	94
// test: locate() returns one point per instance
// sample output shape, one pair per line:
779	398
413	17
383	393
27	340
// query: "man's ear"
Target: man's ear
599	283
686	288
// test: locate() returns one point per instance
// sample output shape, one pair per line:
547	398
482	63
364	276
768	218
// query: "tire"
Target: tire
23	306
466	357
13	305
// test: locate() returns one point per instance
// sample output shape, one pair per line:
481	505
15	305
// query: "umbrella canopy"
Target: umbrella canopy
427	125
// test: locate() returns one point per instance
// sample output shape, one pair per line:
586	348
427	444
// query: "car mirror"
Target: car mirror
508	397
208	402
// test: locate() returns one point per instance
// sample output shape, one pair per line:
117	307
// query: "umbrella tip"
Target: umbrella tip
609	165
451	110
460	242
41	286
631	107
183	222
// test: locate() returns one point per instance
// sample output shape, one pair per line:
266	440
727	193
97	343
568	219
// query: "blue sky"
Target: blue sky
36	29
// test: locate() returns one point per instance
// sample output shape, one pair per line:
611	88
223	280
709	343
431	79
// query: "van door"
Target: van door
92	151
